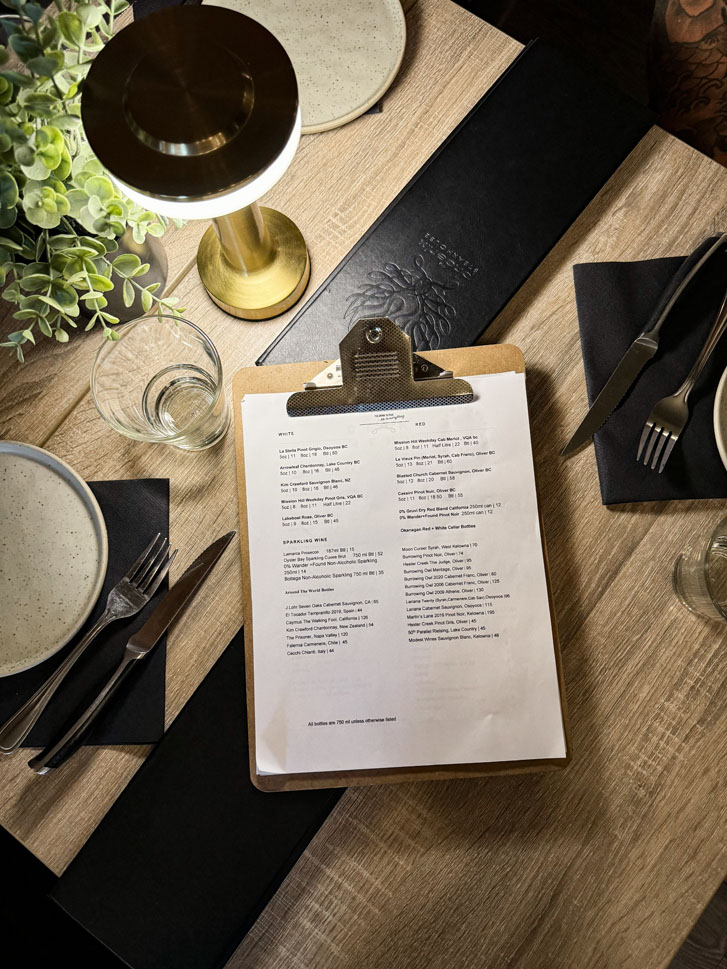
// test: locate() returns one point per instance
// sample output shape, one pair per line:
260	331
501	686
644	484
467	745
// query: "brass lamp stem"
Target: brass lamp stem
245	239
254	263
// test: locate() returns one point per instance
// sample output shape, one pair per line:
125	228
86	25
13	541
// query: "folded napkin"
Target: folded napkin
134	512
615	301
191	852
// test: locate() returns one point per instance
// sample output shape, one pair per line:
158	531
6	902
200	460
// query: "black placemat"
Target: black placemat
615	301
134	512
476	219
191	852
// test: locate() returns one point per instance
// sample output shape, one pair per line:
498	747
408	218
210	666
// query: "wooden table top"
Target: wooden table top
606	864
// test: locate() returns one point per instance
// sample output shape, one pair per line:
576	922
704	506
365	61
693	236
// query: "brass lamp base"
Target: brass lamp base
229	251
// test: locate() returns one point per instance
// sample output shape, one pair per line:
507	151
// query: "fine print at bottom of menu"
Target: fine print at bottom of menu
399	599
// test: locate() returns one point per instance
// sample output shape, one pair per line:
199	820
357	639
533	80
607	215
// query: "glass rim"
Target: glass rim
108	345
720	527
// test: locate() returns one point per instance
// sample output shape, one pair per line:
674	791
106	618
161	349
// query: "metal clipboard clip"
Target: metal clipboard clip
377	370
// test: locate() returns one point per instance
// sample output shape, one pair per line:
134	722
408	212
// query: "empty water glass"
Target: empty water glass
700	574
161	381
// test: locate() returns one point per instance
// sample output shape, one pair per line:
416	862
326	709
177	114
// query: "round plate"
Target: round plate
720	418
345	55
53	555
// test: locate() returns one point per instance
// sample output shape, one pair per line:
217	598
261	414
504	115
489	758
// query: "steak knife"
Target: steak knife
138	646
642	349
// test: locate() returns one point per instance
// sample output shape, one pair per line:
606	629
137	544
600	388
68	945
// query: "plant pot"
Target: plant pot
150	250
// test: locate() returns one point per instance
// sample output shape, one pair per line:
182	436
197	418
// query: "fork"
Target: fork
669	415
130	594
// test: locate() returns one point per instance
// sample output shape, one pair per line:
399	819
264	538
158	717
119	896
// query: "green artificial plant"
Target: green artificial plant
60	214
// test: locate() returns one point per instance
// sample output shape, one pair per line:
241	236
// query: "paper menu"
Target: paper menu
400	609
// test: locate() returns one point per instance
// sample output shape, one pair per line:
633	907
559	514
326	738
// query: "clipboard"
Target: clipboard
387	374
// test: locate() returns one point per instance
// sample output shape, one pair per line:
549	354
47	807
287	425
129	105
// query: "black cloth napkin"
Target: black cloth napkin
191	852
134	512
615	301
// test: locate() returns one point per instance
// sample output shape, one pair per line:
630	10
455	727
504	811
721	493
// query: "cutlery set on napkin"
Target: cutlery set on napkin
672	312
126	599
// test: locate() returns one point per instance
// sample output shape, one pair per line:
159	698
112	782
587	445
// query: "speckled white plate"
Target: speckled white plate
345	54
53	555
720	418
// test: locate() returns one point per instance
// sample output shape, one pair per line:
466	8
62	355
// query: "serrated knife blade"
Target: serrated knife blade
615	389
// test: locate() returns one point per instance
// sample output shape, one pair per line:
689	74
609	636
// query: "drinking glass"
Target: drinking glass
161	381
700	574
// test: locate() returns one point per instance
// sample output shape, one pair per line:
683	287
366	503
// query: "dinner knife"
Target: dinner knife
642	349
138	646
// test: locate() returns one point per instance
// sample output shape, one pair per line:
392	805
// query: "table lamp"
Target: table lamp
194	112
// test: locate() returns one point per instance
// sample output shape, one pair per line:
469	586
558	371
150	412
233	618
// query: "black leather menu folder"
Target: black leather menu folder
481	213
191	852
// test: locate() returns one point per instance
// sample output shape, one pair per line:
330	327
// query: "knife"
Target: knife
642	349
138	646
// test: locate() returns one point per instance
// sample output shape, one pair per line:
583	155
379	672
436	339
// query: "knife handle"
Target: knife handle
679	282
57	754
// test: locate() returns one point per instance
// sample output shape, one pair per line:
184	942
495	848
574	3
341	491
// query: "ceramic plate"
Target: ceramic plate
345	55
53	555
720	418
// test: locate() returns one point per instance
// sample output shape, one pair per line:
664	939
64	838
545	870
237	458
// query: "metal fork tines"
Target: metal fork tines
669	416
130	594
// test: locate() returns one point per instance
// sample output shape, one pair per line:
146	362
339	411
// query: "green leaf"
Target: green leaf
8	216
89	14
36	304
8	189
34	11
126	264
128	293
44	327
48	32
68	310
71	28
101	283
65	295
142	270
67	122
99	246
18	79
47	64
61	335
10	244
25	47
34	282
147	300
28	334
100	187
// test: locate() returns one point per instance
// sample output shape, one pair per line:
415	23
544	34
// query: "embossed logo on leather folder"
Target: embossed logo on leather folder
480	214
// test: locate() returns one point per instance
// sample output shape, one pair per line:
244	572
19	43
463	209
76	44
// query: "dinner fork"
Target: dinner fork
130	594
669	415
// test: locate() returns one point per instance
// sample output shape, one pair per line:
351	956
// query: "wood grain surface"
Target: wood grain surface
606	864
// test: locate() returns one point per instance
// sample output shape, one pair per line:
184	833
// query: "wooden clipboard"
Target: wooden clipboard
289	378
